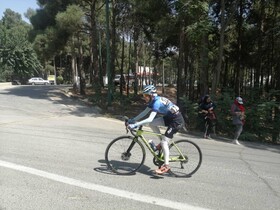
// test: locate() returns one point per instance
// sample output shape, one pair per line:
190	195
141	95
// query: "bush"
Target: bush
262	117
59	80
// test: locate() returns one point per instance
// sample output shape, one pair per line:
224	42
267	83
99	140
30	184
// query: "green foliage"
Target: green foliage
11	19
59	80
6	73
49	69
16	52
45	17
262	117
70	20
224	102
180	34
190	110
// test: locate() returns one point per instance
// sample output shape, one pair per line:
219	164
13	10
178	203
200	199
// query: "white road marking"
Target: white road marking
100	188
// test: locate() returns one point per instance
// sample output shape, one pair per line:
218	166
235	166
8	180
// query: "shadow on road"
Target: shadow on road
55	94
143	170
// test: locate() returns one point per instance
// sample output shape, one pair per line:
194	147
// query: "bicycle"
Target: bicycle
126	154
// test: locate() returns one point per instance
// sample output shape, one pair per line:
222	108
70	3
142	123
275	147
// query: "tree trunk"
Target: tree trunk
81	72
224	23
94	51
259	68
273	59
113	38
122	81
108	56
181	83
216	74
203	73
129	67
136	57
156	64
76	85
239	50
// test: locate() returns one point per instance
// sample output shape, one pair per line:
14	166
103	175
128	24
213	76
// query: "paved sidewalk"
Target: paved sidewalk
4	84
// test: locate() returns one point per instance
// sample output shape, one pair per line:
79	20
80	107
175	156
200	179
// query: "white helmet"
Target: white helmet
150	90
239	100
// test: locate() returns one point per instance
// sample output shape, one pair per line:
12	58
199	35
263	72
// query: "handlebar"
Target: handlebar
132	131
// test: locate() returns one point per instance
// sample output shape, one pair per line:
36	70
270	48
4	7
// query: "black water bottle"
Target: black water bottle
153	146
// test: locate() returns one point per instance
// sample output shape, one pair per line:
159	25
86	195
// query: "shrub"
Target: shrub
59	80
262	117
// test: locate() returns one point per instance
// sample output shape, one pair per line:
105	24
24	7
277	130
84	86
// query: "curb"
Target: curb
5	84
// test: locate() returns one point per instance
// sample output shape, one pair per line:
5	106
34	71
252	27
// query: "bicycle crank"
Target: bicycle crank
157	162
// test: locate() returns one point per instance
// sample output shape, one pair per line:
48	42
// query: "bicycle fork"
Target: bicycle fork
126	155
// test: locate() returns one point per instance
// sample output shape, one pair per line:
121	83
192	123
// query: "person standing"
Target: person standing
207	107
238	118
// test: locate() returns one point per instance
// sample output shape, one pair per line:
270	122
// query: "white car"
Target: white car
38	81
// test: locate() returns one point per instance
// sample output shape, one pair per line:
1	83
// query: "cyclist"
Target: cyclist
171	118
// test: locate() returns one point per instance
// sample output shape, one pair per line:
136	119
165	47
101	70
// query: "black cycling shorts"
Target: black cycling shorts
174	123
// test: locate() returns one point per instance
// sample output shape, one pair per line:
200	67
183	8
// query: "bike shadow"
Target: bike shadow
143	170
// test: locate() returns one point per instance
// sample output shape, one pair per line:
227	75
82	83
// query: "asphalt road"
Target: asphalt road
52	157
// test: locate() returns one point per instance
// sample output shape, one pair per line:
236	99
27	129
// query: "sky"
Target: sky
19	6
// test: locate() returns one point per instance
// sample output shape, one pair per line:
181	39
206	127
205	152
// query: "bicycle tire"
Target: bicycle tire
118	161
192	162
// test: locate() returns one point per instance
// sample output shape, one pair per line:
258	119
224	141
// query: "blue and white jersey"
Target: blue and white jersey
163	106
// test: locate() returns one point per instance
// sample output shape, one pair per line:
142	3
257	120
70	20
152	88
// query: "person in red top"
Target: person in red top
238	118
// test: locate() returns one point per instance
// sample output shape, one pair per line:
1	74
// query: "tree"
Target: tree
16	52
226	17
91	11
69	24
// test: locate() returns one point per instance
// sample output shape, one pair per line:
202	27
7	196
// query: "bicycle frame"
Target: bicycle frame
140	134
125	155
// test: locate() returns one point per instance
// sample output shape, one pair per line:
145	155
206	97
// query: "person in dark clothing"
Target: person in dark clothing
207	107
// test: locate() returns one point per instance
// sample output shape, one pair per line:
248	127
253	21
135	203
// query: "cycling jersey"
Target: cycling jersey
163	106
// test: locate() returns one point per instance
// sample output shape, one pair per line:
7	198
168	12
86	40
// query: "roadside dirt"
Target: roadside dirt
128	106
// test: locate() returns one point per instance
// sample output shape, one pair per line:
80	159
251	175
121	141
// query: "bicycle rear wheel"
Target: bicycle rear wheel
124	155
187	164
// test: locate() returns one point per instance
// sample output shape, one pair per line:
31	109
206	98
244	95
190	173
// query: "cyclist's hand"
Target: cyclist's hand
132	126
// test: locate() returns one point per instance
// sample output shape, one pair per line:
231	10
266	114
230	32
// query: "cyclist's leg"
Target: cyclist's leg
165	149
174	125
155	123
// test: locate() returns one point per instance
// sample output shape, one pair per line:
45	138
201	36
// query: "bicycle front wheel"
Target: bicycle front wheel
125	155
185	158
